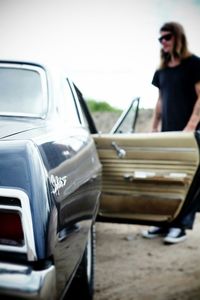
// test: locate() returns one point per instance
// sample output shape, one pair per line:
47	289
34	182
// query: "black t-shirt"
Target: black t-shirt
177	88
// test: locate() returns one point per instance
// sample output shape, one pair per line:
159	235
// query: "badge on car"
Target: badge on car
57	183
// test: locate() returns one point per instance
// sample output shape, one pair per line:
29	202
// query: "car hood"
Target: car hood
13	127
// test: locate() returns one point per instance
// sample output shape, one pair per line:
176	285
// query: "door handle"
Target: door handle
121	153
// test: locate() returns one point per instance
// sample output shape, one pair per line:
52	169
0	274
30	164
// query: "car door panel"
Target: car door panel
151	181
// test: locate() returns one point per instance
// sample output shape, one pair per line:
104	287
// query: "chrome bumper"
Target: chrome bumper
23	282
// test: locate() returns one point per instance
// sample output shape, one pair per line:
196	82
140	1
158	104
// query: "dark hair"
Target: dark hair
180	46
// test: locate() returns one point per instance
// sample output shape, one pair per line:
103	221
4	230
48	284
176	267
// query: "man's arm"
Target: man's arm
157	115
195	116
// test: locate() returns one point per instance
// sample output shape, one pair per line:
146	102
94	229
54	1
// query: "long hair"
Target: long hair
180	46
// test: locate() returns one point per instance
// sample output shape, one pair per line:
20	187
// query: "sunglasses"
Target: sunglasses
166	37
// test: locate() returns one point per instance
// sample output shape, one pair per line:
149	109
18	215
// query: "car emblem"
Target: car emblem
57	183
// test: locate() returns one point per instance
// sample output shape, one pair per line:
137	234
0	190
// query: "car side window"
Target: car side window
88	120
70	111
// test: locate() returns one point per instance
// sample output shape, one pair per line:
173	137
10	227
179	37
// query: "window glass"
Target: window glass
21	92
87	118
70	111
127	121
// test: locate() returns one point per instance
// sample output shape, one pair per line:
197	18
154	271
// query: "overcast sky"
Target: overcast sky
109	47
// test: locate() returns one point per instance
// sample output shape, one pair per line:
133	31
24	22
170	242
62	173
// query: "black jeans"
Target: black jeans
186	217
184	221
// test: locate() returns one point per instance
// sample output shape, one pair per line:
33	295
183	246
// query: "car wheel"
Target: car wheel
83	284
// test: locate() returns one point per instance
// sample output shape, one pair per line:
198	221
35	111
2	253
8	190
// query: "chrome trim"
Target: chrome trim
161	149
26	283
27	224
42	74
154	175
150	149
121	153
77	103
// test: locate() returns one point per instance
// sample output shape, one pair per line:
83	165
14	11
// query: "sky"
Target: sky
109	48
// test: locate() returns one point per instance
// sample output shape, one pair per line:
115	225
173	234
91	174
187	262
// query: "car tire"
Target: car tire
82	286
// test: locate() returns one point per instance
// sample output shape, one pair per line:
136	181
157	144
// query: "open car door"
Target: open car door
148	178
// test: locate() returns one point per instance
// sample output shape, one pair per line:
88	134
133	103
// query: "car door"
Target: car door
148	178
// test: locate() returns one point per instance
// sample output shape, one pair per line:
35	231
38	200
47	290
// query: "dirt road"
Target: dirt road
130	267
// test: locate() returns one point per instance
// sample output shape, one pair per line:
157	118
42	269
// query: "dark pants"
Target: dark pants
187	215
185	221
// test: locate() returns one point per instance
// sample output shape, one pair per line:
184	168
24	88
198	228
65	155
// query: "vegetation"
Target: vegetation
101	106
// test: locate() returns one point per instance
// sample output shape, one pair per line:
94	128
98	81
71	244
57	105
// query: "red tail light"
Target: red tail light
11	231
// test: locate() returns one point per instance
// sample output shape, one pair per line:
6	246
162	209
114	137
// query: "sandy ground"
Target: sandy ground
129	267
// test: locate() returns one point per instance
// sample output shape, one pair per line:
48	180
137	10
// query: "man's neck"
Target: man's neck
174	62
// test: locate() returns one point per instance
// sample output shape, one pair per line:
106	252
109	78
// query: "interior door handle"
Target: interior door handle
121	153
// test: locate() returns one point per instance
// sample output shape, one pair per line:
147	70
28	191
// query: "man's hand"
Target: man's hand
195	117
157	115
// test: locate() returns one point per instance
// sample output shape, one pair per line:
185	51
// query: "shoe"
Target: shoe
175	235
153	232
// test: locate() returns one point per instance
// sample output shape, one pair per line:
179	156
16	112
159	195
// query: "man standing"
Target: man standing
177	108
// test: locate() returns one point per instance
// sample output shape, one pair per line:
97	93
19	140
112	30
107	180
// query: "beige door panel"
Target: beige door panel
151	179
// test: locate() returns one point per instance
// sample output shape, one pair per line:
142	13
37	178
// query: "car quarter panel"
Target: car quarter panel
73	171
67	172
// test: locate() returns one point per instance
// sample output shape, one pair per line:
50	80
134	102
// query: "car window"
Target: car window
69	109
127	121
22	92
88	120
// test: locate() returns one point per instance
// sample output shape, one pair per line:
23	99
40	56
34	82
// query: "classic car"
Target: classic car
50	182
58	175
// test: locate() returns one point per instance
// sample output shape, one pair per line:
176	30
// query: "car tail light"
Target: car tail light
11	231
